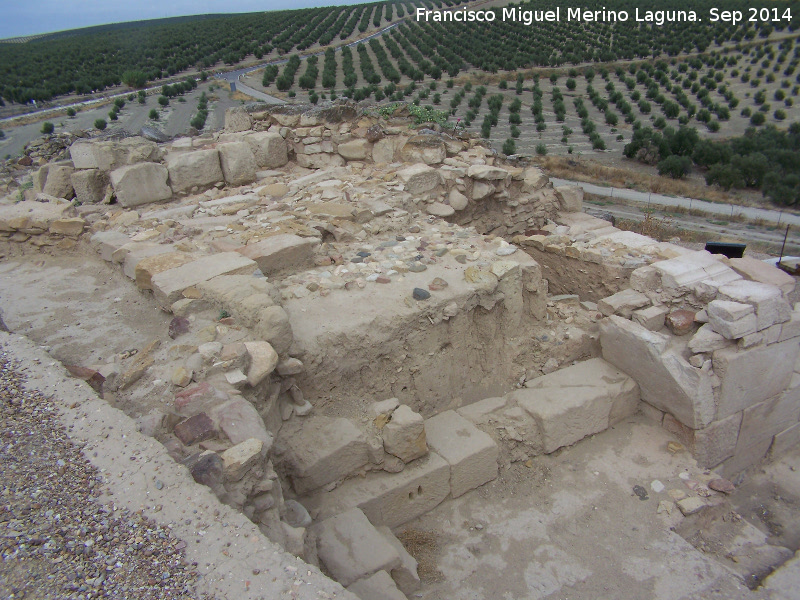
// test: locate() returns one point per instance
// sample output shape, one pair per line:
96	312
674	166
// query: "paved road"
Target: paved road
728	210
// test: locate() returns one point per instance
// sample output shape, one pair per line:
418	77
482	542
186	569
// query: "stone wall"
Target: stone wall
713	344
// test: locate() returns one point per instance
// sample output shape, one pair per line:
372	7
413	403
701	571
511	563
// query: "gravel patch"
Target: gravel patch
56	540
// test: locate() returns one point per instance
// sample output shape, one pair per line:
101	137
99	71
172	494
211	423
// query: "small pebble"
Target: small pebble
420	294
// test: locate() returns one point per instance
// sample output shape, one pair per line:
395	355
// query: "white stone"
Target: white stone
168	285
141	184
419	178
393	499
666	379
651	317
238	163
200	168
404	434
281	252
377	587
263	360
471	453
405	576
351	548
458	200
751	376
768	301
622	303
707	340
319	450
269	149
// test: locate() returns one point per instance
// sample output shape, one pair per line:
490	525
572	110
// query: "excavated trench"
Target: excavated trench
85	312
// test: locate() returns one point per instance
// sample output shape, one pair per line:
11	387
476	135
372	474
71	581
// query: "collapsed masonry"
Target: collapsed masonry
356	340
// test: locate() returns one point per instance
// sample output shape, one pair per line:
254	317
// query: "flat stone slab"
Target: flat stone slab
621	389
471	453
391	499
281	253
352	549
169	285
319	450
666	379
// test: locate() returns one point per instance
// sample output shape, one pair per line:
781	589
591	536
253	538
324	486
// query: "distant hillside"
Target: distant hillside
95	58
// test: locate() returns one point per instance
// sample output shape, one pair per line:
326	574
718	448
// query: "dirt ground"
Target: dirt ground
569	525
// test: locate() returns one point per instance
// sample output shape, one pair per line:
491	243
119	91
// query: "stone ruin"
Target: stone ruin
370	319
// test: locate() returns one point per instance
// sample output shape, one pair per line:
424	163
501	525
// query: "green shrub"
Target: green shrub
509	147
71	112
100	124
541	149
758	119
153	114
48	128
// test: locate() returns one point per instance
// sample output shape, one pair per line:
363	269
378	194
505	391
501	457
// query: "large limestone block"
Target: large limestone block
90	185
748	377
623	303
135	252
377	587
622	390
570	197
471	453
82	155
168	285
200	168
350	547
487	173
757	270
238	163
357	149
565	416
768	301
59	182
533	179
108	242
285	252
404	435
762	421
237	119
141	183
269	149
731	320
392	499
383	150
680	274
405	576
318	450
710	445
147	267
129	151
707	340
666	379
425	148
419	178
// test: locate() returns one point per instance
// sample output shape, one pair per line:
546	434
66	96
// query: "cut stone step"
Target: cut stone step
390	499
169	285
318	450
351	548
471	453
